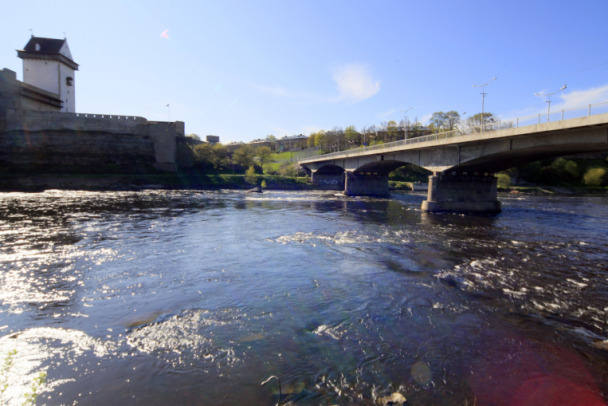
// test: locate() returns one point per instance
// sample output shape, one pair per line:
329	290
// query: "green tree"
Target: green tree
441	121
196	137
251	176
392	131
453	118
503	180
474	122
271	138
352	136
264	154
311	140
320	139
244	156
219	157
202	154
560	171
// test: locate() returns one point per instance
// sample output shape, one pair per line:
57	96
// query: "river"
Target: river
197	297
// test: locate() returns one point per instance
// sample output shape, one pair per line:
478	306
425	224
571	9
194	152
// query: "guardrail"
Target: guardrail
535	119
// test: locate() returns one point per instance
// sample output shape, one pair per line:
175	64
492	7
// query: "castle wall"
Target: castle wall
18	95
91	143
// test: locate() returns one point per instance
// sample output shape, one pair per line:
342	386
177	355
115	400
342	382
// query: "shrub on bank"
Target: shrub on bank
595	177
503	181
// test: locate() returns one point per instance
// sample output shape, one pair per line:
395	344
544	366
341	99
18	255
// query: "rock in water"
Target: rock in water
396	399
257	189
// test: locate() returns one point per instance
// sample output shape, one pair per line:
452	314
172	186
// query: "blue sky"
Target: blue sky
246	69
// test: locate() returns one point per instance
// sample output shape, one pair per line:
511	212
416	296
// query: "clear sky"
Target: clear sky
246	69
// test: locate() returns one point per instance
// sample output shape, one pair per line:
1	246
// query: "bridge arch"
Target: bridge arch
330	177
330	169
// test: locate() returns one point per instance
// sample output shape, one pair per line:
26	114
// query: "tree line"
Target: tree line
246	159
339	139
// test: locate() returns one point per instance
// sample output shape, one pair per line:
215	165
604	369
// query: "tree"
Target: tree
320	139
351	135
415	129
219	157
392	131
196	137
211	156
244	156
476	120
441	121
452	118
203	155
311	140
251	176
264	155
271	138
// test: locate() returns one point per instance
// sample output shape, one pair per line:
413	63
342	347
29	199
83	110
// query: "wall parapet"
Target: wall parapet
50	120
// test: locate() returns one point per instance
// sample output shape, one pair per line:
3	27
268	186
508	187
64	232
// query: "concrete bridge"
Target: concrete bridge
463	165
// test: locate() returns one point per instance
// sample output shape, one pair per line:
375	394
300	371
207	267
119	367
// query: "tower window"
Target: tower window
69	81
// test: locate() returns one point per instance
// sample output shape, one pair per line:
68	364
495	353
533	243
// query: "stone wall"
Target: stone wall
15	94
34	141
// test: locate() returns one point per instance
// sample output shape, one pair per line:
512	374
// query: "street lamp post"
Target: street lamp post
549	99
483	99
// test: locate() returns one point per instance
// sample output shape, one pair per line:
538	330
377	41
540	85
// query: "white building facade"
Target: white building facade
48	65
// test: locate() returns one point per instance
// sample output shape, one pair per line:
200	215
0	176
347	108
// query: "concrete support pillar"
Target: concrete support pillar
328	182
358	184
462	193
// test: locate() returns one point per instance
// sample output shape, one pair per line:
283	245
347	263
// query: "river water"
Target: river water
197	297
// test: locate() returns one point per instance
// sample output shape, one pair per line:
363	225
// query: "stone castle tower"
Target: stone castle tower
48	65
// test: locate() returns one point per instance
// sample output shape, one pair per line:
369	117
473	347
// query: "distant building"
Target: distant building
233	146
48	65
263	143
292	143
213	139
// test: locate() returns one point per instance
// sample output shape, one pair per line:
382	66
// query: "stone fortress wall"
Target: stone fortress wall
31	140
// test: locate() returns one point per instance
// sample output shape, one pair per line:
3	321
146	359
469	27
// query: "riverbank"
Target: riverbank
190	180
556	190
117	182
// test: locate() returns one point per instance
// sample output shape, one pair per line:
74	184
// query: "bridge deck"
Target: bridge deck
456	138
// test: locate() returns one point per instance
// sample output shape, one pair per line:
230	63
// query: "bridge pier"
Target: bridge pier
360	184
462	193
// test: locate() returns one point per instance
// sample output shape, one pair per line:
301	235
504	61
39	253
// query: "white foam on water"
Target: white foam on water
26	356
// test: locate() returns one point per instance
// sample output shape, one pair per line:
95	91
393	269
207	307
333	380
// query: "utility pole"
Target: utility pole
483	99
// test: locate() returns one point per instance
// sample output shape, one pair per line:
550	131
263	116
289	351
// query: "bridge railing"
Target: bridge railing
558	115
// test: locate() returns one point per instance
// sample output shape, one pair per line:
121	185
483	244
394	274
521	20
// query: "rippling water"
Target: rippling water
184	297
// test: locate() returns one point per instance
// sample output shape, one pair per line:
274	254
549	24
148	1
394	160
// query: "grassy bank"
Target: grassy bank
177	180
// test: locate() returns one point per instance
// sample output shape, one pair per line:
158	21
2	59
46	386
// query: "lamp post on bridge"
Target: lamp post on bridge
483	99
549	99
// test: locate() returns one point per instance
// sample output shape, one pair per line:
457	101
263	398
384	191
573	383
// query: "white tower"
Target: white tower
48	65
